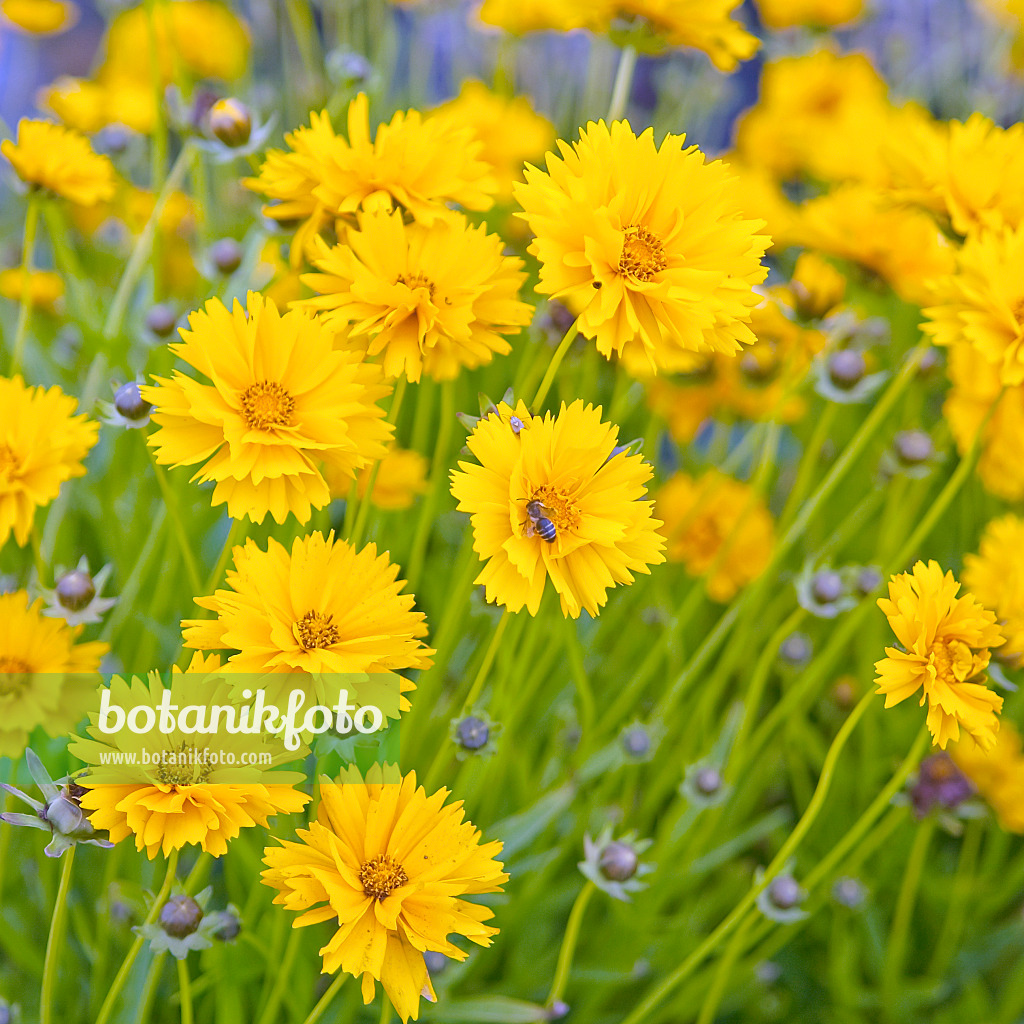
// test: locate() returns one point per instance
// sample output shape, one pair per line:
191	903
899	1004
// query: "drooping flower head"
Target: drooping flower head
647	242
995	576
388	865
281	401
60	160
431	300
944	649
42	444
554	498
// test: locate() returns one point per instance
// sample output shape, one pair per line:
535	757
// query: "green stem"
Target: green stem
385	1008
180	530
725	966
569	940
282	978
185	991
556	362
55	939
326	999
808	463
122	975
623	83
25	306
959	894
583	688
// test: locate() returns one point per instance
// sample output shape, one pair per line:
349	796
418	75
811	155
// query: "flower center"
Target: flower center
953	662
643	254
267	404
8	461
418	281
315	630
380	876
560	507
14	676
184	766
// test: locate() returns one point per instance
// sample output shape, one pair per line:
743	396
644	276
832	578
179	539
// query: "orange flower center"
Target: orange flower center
315	630
380	876
14	673
560	508
8	461
184	767
418	281
643	254
953	662
267	404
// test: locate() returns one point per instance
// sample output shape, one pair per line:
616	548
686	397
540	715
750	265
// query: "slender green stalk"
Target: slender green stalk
326	999
25	305
55	940
385	1008
126	965
584	691
185	991
724	971
623	84
556	362
158	154
282	977
180	529
149	986
959	901
569	940
808	464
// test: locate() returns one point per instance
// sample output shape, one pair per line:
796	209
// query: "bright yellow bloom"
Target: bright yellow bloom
88	106
998	773
521	16
509	128
388	865
945	643
42	444
430	299
648	242
817	287
45	677
995	576
60	160
40	17
401	478
983	302
322	607
45	288
589	494
760	197
717	527
179	800
281	401
823	13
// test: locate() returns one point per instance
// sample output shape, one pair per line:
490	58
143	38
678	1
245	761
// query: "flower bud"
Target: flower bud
75	590
161	320
230	121
827	586
939	784
796	649
785	892
472	733
868	579
635	740
112	139
348	68
707	780
226	254
227	926
913	447
846	368
848	892
64	815
618	862
180	916
130	404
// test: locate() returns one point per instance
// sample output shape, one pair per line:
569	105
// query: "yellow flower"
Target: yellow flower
822	13
995	576
281	401
983	302
323	607
45	677
998	773
508	127
401	478
760	197
388	865
431	299
976	387
60	160
88	106
817	287
521	16
189	796
45	288
649	242
903	246
599	531
716	526
944	644
40	17
42	444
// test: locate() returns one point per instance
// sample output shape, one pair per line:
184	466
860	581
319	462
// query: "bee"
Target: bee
538	523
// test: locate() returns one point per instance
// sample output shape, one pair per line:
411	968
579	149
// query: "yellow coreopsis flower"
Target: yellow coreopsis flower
553	498
42	444
716	526
321	607
45	677
61	161
983	302
45	288
521	16
998	773
429	299
823	13
649	242
281	402
40	17
88	106
389	866
995	576
401	478
944	652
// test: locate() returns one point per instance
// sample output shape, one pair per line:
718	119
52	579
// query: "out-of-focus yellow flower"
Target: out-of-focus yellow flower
60	160
760	197
998	773
944	651
510	130
88	106
521	16
1011	14
817	287
553	498
274	277
995	576
716	526
649	242
42	444
903	246
983	302
401	478
976	387
810	109
40	17
821	13
430	299
44	675
45	288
